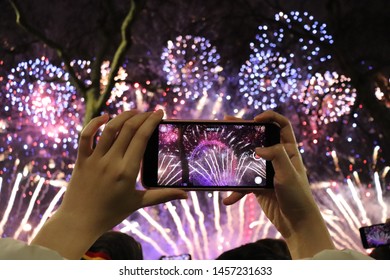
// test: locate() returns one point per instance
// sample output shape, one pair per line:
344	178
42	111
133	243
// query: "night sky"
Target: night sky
325	67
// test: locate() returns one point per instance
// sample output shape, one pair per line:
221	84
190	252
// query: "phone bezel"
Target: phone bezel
150	160
363	235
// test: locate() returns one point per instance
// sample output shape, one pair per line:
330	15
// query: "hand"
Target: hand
102	186
290	206
101	192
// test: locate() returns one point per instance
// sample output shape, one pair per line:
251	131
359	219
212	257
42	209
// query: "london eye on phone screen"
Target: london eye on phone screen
210	155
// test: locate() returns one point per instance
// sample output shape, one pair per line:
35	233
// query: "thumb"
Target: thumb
231	118
279	158
233	197
153	197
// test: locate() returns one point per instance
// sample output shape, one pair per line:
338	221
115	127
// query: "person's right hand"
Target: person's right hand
290	206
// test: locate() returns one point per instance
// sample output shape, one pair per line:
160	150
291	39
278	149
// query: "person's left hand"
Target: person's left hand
102	190
102	187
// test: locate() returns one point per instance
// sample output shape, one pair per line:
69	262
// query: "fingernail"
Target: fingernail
258	150
184	196
256	156
104	116
159	112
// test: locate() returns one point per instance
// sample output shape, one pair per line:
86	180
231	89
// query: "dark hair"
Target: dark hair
381	253
263	249
117	246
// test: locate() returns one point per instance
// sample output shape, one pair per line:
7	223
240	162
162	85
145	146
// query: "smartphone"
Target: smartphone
375	235
178	257
209	155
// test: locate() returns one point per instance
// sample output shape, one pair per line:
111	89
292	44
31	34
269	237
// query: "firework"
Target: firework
210	155
42	98
275	73
191	64
327	97
40	123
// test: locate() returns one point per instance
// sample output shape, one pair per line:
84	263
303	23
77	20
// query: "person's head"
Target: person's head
264	249
278	246
114	245
381	253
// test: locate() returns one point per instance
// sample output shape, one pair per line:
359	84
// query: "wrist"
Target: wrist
67	235
309	237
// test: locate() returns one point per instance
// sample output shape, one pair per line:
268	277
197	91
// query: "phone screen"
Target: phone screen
375	235
178	257
207	155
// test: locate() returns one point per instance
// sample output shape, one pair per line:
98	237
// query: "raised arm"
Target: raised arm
290	206
101	192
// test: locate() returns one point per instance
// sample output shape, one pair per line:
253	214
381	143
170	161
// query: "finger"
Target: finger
111	131
87	135
295	157
153	197
280	160
127	133
286	130
233	198
136	148
230	118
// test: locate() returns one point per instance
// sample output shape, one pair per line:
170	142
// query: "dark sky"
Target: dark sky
80	26
360	30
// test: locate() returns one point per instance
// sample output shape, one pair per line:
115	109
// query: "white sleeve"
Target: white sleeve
346	254
11	249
